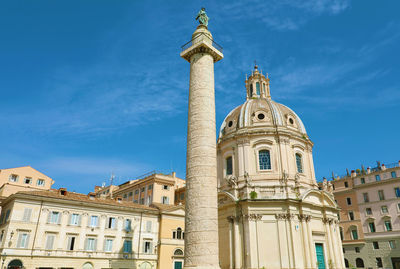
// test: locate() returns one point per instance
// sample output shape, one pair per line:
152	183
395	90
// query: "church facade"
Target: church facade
271	212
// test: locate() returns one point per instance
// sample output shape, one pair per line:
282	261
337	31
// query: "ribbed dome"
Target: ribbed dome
259	110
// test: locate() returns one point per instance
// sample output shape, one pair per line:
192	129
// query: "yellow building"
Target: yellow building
23	178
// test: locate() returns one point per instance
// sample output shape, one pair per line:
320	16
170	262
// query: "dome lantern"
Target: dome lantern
257	85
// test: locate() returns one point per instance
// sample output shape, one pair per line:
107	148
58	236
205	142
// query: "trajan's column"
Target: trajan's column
201	222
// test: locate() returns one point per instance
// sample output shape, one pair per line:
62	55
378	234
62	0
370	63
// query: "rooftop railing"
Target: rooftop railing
190	43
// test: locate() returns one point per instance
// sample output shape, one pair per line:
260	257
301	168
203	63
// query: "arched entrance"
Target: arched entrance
178	258
145	265
87	265
15	264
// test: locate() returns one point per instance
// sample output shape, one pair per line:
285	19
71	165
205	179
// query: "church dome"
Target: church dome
260	112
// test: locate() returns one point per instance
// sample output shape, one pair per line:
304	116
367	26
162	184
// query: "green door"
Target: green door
178	265
319	249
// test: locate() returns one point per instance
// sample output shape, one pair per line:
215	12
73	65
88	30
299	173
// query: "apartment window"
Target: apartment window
165	200
125	196
362	180
127	246
179	233
354	234
393	174
130	194
111	224
368	211
50	241
346	184
148	226
388	225
71	243
381	195
299	163
150	187
28	180
371	226
147	247
128	225
375	245
40	182
392	244
91	244
366	197
357	249
379	262
108	245
142	201
348	200
229	166
74	219
13	178
137	191
384	209
94	221
165	187
378	178
264	160
142	190
27	214
54	217
23	240
397	192
182	196
351	215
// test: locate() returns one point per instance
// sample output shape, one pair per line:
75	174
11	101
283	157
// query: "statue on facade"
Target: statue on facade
202	17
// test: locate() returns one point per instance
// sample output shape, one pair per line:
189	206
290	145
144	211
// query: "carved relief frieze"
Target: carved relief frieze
284	216
304	217
252	217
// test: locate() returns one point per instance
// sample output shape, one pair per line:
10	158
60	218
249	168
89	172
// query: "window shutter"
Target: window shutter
79	220
151	247
95	245
86	243
50	242
105	245
59	218
70	219
27	214
168	200
69	243
19	241
49	216
144	247
27	241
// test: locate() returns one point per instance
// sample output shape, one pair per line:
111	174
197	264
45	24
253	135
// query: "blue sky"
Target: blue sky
91	87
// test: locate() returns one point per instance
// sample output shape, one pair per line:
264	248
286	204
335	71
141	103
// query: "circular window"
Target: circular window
261	116
291	121
230	123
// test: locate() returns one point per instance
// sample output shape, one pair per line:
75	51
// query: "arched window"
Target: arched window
354	233
87	265
251	90
15	264
346	263
264	160
178	252
359	263
299	163
179	233
258	88
229	166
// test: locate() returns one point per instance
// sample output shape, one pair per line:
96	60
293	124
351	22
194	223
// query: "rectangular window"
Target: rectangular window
346	185
71	243
392	244
91	244
165	200
379	262
264	160
40	182
384	209
28	180
348	200
375	245
397	192
125	196
357	249
8	212
137	191
366	197
142	190
150	187
94	221
147	247
165	187
130	194
351	215
111	223
13	178
142	201
388	225
378	178
362	180
372	227
354	234
75	219
27	214
182	196
54	217
381	195
229	166
23	240
393	174
148	226
368	211
108	245
50	241
128	225
127	246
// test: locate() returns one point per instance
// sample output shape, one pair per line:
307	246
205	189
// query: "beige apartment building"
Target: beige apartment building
375	201
23	178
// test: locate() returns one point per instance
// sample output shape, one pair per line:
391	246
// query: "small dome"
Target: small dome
260	111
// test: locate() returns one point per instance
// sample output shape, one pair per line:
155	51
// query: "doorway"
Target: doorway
396	263
178	265
319	249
